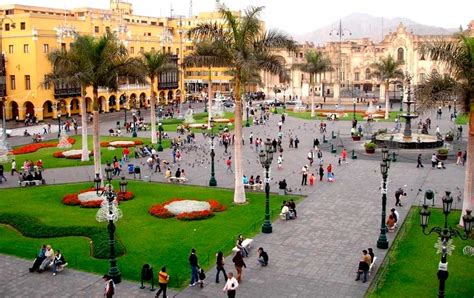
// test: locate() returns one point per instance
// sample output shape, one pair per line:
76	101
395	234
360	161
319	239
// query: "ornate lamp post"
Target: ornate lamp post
59	120
212	181
266	158
444	244
160	130
354	110
109	212
382	242
247	124
401	100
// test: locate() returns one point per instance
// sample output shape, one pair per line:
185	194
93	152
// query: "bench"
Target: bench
391	230
246	244
29	183
372	265
177	180
255	186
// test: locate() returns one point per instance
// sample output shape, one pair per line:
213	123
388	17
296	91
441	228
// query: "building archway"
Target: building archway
102	104
112	103
170	95
178	95
143	100
14	110
29	108
88	104
133	101
401	54
162	97
63	105
47	109
75	106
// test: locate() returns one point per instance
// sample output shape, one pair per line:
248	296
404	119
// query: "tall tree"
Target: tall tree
316	63
458	56
389	71
240	43
155	63
100	62
436	90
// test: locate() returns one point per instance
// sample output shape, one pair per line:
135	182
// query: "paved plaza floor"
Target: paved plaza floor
315	255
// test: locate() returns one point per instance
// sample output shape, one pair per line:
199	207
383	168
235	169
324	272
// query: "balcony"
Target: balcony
168	85
127	87
67	92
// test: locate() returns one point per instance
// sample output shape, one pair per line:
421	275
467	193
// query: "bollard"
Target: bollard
333	150
333	135
394	157
353	156
324	139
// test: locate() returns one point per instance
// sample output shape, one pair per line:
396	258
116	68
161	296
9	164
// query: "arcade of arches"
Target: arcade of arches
72	106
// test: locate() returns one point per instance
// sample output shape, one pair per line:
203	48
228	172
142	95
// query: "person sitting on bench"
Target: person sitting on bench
39	259
243	250
251	180
245	180
57	262
48	258
39	176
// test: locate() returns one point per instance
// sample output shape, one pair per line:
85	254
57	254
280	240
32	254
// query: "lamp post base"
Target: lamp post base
160	148
115	274
247	124
212	181
134	134
267	228
382	243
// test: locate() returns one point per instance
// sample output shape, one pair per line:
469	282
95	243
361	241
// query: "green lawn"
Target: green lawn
359	116
171	124
462	119
412	263
49	161
146	239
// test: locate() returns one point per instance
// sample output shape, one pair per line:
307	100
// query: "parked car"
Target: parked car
229	104
273	102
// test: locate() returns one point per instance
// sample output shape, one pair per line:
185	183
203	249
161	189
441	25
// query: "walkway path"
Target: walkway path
315	255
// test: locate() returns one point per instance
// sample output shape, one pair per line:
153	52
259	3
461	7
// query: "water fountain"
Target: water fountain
188	116
408	139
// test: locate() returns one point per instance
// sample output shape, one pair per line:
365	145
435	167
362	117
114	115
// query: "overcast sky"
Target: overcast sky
299	16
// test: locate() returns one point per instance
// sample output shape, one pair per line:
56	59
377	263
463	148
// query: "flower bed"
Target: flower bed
70	154
121	143
186	209
88	198
30	148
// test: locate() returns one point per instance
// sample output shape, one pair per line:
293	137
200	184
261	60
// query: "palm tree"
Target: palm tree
435	90
240	43
458	56
388	70
100	61
155	63
315	63
70	76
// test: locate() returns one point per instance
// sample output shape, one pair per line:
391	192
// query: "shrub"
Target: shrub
31	227
125	196
370	145
216	206
160	211
196	215
104	144
71	200
443	151
30	148
58	154
91	204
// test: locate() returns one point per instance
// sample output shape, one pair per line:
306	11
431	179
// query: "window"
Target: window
45	48
107	29
163	50
142	50
400	54
177	51
169	50
367	73
422	77
152	49
22	25
132	50
96	29
356	76
26	48
12	82
7	27
422	57
46	83
63	47
27	82
10	49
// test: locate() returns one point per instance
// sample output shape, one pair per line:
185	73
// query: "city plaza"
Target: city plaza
315	255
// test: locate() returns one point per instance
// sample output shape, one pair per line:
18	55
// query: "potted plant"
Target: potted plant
370	147
356	136
449	136
442	154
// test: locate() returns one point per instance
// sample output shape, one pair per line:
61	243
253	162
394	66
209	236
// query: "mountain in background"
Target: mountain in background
363	25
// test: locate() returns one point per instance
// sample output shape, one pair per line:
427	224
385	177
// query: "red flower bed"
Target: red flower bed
232	120
58	154
107	144
91	204
125	196
71	200
30	148
196	215
160	211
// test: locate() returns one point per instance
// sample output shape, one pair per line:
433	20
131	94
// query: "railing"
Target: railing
67	92
127	87
168	85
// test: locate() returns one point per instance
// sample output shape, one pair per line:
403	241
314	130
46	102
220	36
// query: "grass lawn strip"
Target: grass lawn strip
410	267
145	238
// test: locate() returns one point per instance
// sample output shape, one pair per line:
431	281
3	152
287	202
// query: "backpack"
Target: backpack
111	290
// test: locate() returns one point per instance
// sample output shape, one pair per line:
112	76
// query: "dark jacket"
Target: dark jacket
239	261
193	260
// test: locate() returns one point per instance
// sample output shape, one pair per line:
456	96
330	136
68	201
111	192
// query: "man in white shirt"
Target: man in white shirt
231	285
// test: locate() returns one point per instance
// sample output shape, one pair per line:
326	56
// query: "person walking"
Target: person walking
229	165
231	285
419	164
464	157
239	264
109	289
304	175
14	170
296	141
364	265
193	262
220	266
279	161
2	175
434	160
344	155
310	157
459	157
279	125
163	279
398	194
251	138
321	172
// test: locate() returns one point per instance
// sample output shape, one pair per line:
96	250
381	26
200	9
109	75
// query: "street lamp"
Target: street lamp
109	212
382	242
247	124
340	31
59	121
160	130
354	110
266	157
454	110
401	100
444	245
212	181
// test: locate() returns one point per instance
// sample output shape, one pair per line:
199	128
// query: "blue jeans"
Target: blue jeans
194	275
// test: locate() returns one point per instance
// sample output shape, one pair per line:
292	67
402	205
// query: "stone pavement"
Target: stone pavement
315	255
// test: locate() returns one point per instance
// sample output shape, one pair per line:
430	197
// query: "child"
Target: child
330	177
312	179
202	276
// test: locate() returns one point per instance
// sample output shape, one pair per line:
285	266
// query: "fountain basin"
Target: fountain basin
416	141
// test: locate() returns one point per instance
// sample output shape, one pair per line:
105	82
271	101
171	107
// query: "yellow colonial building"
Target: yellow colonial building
29	33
